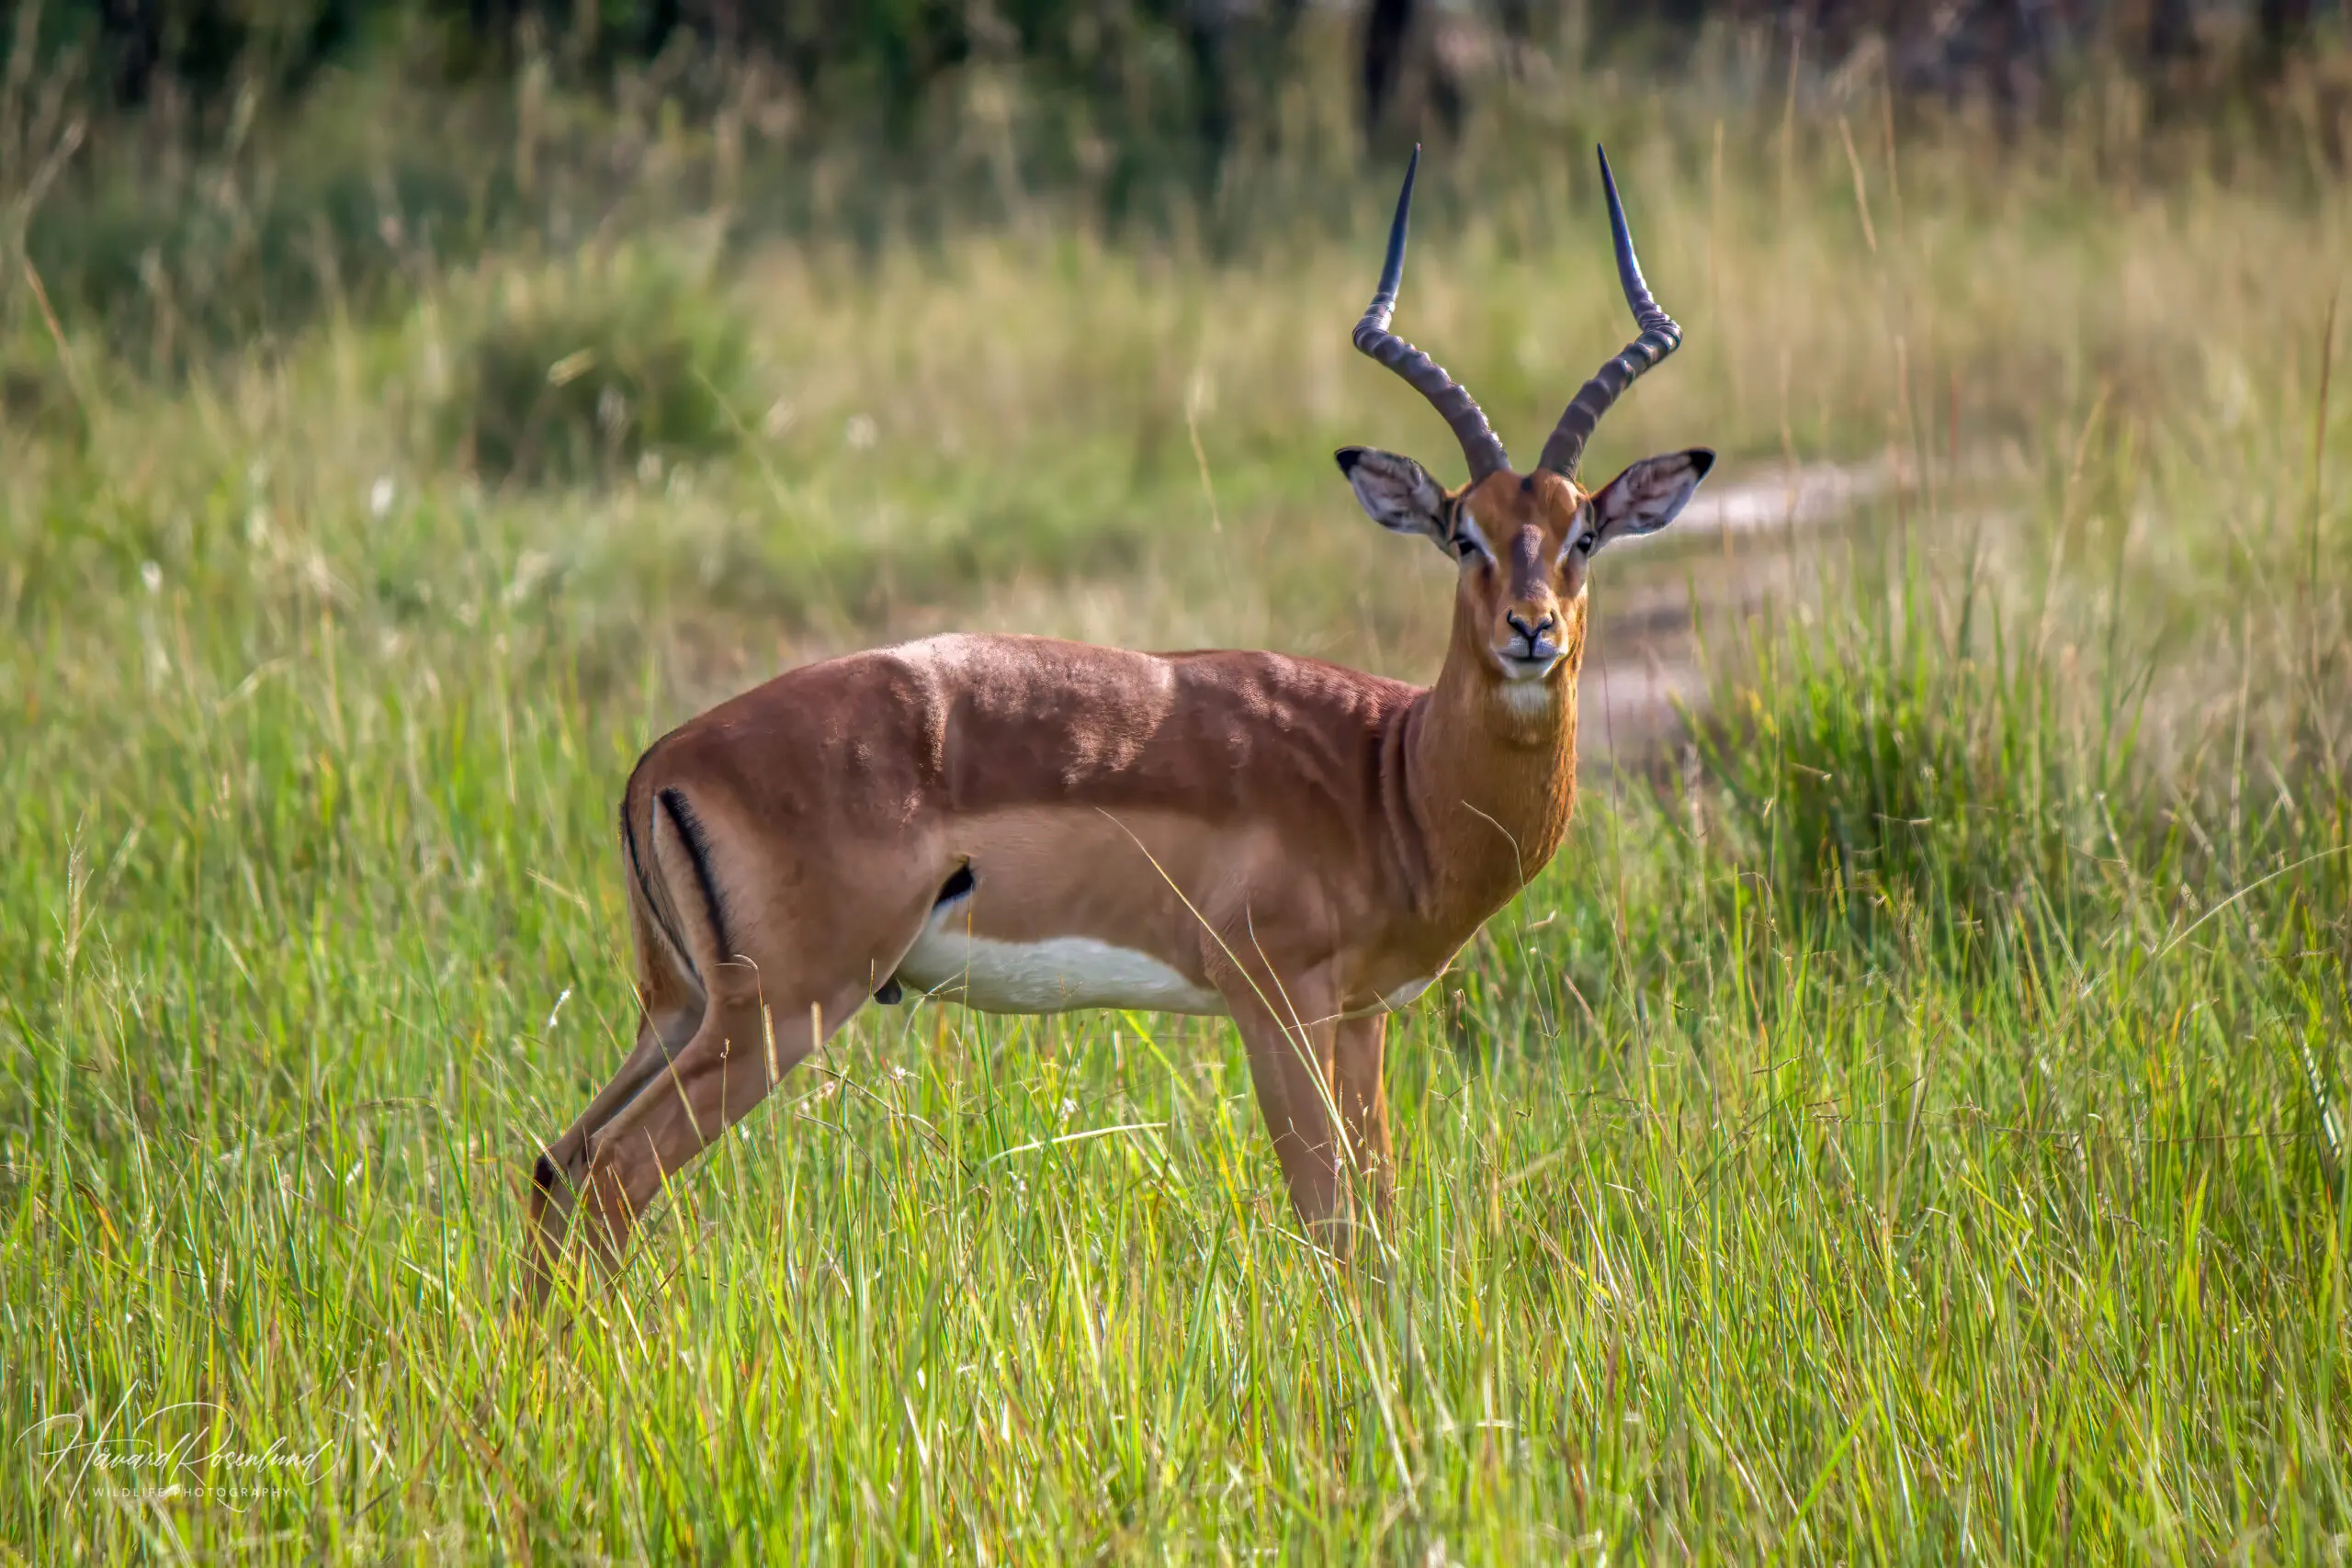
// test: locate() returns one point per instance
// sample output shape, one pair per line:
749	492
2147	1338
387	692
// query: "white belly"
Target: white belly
1063	974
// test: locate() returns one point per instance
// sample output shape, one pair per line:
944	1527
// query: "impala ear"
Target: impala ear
1649	494
1396	492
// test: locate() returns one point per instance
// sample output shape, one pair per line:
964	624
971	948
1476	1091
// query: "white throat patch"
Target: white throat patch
1528	697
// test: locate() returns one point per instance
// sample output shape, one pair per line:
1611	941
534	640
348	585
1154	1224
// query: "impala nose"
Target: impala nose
1535	634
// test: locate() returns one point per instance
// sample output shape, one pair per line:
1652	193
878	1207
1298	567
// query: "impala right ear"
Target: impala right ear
1396	492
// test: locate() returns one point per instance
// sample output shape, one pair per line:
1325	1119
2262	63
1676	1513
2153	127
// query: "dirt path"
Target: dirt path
1741	545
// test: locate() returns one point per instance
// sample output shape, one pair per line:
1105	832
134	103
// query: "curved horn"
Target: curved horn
1479	443
1659	338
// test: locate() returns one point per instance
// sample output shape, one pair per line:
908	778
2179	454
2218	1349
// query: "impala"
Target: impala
1031	825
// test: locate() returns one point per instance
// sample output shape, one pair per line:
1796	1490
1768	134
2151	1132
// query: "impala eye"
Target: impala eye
1586	540
1464	547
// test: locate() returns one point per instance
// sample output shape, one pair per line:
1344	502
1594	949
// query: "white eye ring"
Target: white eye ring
1466	540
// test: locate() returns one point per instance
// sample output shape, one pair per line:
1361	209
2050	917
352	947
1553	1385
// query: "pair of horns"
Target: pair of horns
1480	445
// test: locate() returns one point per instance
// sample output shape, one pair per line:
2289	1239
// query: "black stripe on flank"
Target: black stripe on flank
653	902
682	816
956	887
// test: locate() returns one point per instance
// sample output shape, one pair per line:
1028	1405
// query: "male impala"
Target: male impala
1033	826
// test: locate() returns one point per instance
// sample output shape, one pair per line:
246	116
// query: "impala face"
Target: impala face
1524	540
1525	544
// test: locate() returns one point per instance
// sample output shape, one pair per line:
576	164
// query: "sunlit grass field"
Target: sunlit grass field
1902	1124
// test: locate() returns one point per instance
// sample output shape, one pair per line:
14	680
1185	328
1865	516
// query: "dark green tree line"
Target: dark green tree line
1202	59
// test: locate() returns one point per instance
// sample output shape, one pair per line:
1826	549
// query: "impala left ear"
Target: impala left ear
1649	494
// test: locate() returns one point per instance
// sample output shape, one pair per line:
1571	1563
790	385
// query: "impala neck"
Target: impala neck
1491	776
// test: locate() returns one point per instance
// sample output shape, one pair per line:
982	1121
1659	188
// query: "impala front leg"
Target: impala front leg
1359	1073
1291	1034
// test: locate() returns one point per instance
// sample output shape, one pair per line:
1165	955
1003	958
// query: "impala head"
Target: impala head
1523	541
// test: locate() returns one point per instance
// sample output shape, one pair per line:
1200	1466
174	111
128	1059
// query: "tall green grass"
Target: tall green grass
1745	1226
1902	1124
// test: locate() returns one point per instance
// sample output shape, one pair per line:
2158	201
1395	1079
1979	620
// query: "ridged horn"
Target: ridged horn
1480	445
1660	337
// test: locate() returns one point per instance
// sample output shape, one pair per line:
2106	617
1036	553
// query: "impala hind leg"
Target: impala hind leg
557	1174
736	1056
671	1000
731	964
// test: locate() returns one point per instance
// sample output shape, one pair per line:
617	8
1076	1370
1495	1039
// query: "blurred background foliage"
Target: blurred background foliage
1181	65
188	174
